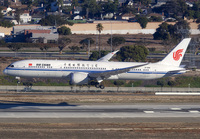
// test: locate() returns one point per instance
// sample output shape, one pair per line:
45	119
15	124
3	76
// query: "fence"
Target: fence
93	89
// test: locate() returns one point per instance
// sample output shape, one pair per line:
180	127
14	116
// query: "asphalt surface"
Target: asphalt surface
43	55
101	112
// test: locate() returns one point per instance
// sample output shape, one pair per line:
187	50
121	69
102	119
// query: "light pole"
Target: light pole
88	48
111	36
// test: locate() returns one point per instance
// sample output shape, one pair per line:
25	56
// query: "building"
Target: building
35	34
41	36
25	17
6	10
67	2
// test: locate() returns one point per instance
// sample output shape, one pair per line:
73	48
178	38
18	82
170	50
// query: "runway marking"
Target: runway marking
148	111
194	111
176	109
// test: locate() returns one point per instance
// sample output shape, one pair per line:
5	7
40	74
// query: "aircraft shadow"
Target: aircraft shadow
11	104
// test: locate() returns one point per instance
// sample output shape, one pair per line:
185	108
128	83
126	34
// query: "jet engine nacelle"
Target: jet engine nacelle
79	78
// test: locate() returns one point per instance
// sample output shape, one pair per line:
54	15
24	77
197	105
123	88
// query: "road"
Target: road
100	112
44	55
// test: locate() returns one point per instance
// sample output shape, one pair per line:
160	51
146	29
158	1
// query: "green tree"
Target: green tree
6	3
142	20
64	30
155	19
132	53
18	13
190	14
116	41
162	32
75	3
171	83
173	8
2	42
126	9
44	48
62	43
95	55
74	48
15	47
172	34
89	8
52	20
198	20
118	83
99	28
144	2
109	7
182	29
1	15
6	23
161	83
27	2
85	42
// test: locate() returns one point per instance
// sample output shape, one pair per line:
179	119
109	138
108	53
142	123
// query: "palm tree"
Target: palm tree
99	28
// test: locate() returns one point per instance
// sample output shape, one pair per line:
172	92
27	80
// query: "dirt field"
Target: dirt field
101	131
140	39
82	98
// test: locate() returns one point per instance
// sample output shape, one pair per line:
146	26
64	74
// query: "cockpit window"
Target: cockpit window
11	66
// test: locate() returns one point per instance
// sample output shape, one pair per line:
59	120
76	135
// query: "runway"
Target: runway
100	111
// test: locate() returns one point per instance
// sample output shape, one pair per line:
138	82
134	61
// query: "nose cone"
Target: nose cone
5	71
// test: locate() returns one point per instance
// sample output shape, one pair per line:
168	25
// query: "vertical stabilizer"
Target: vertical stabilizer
107	57
175	57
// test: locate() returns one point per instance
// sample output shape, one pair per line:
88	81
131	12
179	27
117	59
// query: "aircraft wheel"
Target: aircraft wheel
97	85
102	86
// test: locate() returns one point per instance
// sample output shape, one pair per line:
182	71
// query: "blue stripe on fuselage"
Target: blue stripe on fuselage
88	71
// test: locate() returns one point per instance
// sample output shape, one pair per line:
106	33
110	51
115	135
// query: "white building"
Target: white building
25	17
5	11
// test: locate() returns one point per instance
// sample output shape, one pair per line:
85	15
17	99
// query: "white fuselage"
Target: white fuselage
63	69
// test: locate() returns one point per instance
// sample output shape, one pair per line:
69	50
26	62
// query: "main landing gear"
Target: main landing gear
97	85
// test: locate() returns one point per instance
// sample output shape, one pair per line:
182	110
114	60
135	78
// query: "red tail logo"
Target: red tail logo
177	55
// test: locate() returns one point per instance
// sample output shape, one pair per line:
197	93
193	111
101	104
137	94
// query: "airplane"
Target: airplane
94	72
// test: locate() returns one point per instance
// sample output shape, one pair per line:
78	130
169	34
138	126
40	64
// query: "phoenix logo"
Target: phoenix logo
177	55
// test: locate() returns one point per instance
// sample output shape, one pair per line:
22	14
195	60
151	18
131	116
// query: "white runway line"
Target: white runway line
194	111
148	111
176	109
177	93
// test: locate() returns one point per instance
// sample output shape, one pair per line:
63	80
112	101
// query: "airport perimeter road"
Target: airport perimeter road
44	55
112	112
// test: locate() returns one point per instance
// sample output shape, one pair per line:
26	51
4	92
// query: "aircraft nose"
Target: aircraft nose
5	71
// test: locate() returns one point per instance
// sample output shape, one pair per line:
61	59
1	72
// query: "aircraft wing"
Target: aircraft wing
107	57
107	74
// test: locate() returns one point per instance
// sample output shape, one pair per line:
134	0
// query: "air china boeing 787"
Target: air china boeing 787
94	72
